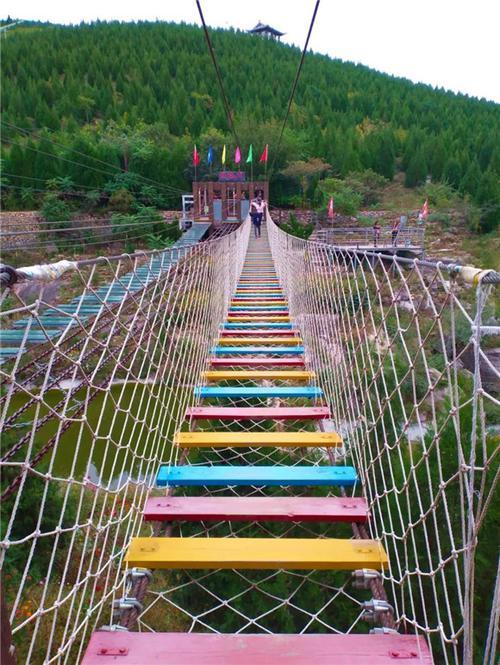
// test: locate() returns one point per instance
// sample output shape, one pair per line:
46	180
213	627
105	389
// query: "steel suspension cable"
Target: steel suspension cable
219	75
295	82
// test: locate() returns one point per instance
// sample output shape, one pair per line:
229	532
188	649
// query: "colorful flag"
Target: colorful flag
263	157
196	157
250	155
422	215
330	208
223	158
210	155
237	155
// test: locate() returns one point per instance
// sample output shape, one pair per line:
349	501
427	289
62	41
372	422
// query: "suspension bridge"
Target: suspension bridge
266	450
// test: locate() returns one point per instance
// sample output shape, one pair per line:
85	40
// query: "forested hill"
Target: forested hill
139	95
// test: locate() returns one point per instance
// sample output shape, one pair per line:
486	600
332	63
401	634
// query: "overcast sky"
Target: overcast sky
452	44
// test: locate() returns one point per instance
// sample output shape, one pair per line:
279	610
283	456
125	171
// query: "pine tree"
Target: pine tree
417	170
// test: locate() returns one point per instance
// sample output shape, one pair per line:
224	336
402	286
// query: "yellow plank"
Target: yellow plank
255	341
281	319
258	375
256	553
251	439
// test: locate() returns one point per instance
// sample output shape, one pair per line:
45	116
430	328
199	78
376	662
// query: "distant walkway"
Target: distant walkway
408	239
29	331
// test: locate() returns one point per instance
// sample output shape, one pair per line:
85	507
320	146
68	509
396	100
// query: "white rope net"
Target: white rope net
399	352
409	373
87	415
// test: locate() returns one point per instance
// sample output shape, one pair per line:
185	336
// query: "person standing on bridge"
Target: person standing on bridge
395	231
257	209
376	232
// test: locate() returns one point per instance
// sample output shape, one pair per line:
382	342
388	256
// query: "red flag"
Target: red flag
196	157
263	157
237	155
330	208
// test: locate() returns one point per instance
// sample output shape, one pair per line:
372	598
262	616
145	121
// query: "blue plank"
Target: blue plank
249	350
31	336
308	392
263	324
257	476
10	350
58	322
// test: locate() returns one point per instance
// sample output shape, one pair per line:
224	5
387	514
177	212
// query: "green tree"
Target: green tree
416	172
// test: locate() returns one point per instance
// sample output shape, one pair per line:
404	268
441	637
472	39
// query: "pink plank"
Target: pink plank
257	362
258	413
259	314
257	333
261	508
212	649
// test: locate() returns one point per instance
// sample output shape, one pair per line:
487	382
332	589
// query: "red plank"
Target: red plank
258	413
257	362
254	509
149	648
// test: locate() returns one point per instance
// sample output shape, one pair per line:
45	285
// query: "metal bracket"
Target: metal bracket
113	628
372	609
126	604
134	574
383	631
362	578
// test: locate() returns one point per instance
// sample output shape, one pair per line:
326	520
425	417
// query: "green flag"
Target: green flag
250	155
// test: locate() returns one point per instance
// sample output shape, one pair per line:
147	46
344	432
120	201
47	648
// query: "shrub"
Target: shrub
368	184
346	200
54	209
121	201
439	194
295	228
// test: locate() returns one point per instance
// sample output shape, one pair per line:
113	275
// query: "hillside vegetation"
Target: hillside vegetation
137	96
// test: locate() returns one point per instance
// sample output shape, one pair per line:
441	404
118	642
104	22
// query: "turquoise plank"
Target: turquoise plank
249	350
257	476
32	335
308	392
10	350
47	322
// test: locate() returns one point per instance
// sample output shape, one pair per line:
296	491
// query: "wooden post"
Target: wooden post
7	649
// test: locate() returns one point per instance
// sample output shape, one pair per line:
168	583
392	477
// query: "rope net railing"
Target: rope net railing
404	353
87	416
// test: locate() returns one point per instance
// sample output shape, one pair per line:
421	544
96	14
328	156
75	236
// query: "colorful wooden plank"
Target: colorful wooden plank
256	476
258	333
258	315
257	362
256	300
261	294
256	508
258	318
287	341
132	648
242	350
258	412
256	553
260	392
243	326
251	307
257	439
